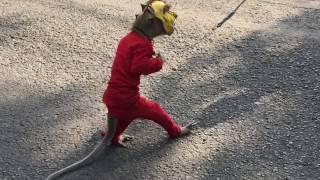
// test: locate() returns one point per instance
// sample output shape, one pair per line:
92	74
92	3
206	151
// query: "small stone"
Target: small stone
258	103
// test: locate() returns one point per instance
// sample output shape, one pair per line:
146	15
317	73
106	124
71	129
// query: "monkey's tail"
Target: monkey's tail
100	148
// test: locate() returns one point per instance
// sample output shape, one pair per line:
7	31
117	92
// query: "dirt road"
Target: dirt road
254	85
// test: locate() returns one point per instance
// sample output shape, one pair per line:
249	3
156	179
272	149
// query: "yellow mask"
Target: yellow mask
161	11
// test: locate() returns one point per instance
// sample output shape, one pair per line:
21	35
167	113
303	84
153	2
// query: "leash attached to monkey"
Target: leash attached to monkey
228	16
134	57
208	34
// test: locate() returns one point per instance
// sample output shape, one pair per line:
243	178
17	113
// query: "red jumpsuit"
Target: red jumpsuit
134	58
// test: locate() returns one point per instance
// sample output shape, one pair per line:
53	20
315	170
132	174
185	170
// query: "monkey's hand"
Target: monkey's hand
187	128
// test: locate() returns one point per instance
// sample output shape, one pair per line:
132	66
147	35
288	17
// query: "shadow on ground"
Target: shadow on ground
269	77
26	121
271	81
275	65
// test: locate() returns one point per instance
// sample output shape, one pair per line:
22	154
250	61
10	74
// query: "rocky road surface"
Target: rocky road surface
253	84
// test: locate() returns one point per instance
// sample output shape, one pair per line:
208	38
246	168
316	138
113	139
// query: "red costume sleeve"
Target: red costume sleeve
143	63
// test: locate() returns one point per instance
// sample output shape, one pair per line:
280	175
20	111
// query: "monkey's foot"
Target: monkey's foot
187	128
123	137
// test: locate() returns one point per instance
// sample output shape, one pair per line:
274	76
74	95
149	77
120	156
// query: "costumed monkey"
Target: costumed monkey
134	57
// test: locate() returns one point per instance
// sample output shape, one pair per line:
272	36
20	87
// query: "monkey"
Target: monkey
134	57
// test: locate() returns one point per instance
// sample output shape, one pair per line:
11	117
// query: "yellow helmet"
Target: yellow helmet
161	10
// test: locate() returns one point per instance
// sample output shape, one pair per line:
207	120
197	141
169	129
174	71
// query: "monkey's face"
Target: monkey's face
149	24
162	12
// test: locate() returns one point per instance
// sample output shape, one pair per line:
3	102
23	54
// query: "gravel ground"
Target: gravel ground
253	84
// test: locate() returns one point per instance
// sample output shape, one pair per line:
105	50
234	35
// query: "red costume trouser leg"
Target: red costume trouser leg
144	109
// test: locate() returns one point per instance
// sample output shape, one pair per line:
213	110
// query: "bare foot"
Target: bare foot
125	138
120	143
117	144
187	128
